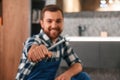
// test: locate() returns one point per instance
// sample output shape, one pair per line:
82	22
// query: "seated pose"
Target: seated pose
42	53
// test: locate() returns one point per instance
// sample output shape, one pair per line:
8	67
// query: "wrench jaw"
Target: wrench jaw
66	37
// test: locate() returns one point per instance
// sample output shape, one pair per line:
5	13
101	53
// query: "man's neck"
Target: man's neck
54	40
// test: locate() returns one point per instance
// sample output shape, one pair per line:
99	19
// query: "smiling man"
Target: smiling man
36	51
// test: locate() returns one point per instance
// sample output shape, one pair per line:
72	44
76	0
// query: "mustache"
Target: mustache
57	28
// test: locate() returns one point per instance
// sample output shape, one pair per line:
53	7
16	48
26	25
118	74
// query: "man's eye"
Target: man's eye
49	21
58	21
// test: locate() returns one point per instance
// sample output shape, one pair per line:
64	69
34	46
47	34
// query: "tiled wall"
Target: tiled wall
93	23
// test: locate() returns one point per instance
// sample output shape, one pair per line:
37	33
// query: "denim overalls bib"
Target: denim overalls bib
45	70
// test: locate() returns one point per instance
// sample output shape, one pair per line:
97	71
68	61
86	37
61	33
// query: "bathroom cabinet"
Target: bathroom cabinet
98	54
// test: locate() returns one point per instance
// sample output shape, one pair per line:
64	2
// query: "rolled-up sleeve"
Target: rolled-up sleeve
69	55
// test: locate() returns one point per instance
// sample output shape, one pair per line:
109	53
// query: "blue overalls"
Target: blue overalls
46	70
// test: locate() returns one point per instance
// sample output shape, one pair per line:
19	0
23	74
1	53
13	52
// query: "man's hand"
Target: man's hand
38	52
63	76
72	71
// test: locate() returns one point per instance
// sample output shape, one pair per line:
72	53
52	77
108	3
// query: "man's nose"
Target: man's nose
54	24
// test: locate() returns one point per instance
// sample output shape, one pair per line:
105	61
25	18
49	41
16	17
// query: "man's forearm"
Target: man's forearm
74	69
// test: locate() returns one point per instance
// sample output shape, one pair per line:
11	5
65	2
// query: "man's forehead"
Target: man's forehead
58	19
53	18
54	14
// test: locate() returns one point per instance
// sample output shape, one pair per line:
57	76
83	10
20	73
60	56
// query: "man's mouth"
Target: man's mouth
54	30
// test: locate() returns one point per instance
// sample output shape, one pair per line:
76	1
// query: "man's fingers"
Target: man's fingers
40	53
49	54
45	51
30	55
36	57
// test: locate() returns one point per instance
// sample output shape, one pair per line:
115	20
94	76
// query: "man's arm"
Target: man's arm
72	71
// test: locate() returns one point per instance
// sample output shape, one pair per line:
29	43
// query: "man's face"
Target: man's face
52	24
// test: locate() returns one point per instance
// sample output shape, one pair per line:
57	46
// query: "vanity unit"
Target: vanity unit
97	52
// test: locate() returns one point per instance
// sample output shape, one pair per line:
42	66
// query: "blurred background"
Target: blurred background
97	21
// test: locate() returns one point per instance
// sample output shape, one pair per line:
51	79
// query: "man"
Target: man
40	61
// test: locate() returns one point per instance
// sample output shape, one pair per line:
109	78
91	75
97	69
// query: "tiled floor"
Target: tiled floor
99	74
104	74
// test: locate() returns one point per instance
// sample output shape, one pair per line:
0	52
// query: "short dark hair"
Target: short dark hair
51	8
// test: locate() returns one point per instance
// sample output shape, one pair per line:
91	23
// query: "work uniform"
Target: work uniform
47	68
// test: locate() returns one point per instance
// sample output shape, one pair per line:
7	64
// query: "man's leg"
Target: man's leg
81	76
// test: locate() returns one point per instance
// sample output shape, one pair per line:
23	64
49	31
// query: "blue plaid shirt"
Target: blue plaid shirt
26	66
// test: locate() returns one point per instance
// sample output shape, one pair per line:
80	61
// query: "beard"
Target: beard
53	33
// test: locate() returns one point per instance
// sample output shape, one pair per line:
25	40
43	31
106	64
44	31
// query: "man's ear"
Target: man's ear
41	23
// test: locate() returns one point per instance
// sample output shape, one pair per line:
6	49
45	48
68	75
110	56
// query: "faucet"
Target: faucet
81	29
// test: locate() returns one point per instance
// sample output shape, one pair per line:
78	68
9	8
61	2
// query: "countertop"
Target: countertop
92	39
